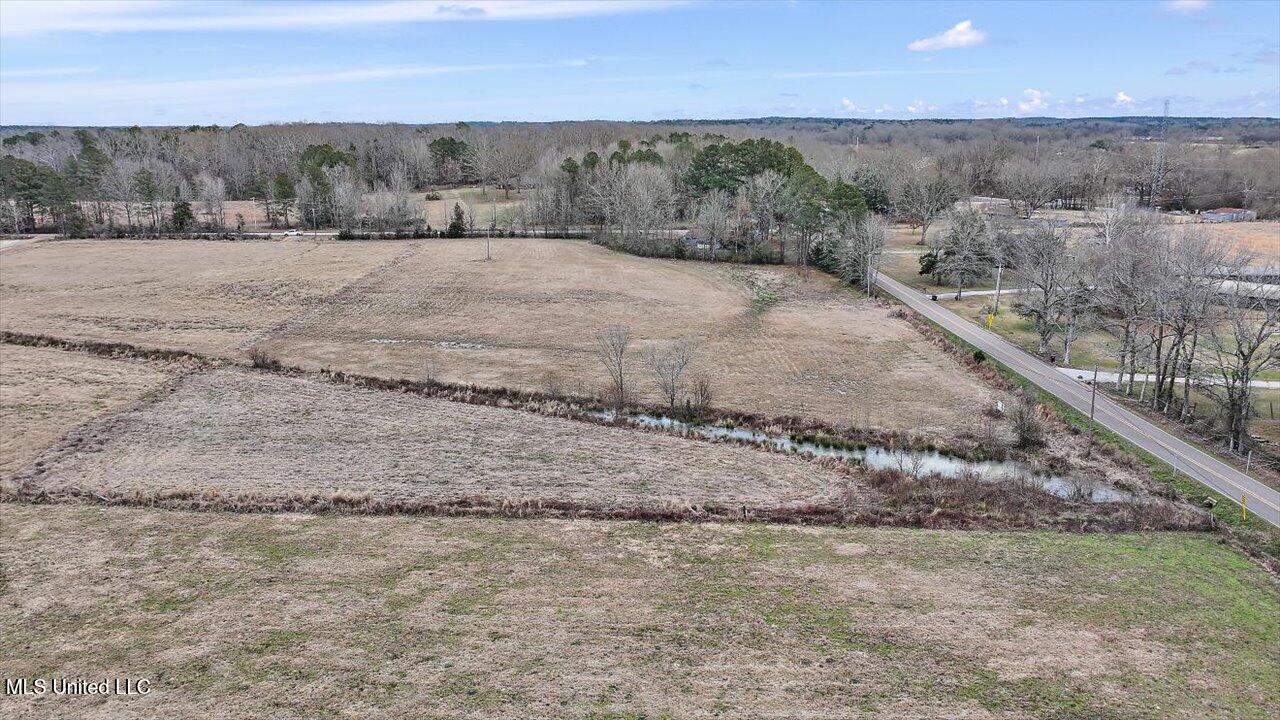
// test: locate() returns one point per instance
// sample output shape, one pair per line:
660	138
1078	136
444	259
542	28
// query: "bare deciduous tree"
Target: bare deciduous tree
612	345
764	193
1041	264
1245	343
211	191
860	249
669	364
923	196
1031	184
715	217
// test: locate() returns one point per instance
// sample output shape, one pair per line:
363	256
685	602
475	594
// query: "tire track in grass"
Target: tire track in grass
345	297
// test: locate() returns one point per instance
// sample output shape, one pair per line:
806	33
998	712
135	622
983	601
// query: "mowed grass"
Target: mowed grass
815	349
326	616
210	297
245	434
45	393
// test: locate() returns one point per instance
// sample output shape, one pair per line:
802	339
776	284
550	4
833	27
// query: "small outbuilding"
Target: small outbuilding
1227	214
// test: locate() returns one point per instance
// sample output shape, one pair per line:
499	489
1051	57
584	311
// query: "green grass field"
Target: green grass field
324	616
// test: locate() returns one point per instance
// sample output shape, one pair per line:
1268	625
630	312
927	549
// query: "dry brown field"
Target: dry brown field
210	297
246	433
774	341
1260	238
234	615
46	393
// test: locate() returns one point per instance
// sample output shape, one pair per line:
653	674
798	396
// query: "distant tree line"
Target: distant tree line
137	179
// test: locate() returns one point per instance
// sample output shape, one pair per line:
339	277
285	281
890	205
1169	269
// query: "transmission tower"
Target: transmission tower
1157	167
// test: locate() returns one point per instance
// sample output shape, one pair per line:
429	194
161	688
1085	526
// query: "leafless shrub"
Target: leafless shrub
553	384
260	358
430	371
1080	488
1028	425
700	394
618	396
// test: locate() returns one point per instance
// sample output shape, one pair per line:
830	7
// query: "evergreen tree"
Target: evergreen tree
285	195
183	217
148	191
458	225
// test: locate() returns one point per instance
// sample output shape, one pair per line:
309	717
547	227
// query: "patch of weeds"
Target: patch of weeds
763	300
255	673
272	548
275	640
832	623
193	675
465	689
1045	698
248	660
760	541
165	603
390	579
479	599
209	584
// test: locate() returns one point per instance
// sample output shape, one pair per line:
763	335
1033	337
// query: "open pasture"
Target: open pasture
379	617
210	297
771	340
1259	238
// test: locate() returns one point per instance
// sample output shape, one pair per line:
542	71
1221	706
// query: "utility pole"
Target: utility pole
493	223
1093	398
999	271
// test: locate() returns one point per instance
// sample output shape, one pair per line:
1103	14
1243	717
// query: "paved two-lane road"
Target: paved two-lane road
1188	459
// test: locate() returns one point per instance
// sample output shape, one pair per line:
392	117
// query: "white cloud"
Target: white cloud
920	106
1033	101
1122	99
848	105
873	73
47	72
24	17
999	103
1185	7
1203	66
963	34
26	95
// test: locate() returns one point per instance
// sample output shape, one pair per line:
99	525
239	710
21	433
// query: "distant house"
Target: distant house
1226	214
696	239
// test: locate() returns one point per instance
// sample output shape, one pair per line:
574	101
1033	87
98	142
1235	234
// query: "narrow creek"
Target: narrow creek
917	462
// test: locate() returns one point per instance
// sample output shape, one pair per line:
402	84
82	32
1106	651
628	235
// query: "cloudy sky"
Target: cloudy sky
162	63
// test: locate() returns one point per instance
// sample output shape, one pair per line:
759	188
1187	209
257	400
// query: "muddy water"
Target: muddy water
874	456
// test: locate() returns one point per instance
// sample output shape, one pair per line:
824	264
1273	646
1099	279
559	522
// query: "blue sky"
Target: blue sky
162	63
